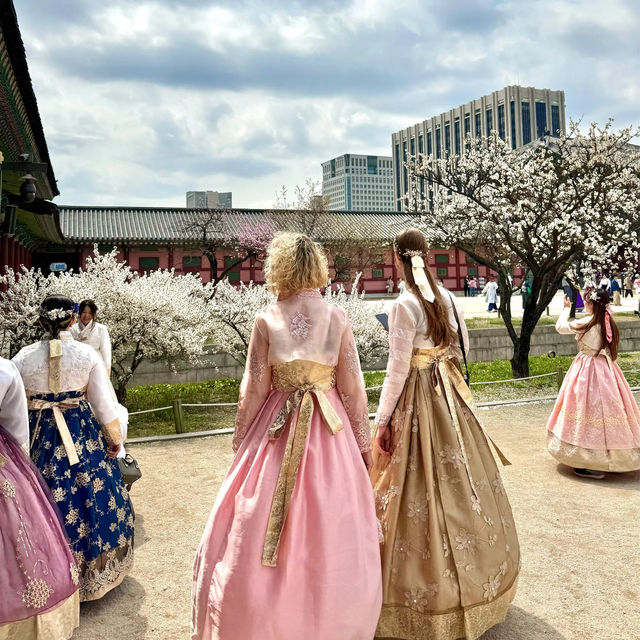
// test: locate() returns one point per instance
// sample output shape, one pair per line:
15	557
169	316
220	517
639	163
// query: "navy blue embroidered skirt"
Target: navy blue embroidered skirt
91	495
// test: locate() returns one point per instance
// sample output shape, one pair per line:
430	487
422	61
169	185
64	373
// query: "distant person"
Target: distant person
401	286
526	292
595	424
490	292
615	288
466	286
390	285
628	286
473	287
605	283
96	335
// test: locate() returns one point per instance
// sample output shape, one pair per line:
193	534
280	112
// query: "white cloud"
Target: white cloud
142	102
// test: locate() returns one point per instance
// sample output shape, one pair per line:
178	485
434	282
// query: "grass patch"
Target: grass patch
226	390
494	322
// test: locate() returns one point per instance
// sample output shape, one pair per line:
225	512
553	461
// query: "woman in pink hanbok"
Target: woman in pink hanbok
38	575
595	424
291	547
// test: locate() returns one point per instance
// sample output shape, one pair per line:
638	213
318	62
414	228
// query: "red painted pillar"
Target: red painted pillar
4	252
252	269
457	253
394	270
12	253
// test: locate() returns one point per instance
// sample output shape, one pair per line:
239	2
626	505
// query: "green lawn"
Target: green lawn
226	390
494	322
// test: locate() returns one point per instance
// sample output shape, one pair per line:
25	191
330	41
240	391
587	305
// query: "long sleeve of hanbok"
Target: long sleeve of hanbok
256	381
102	405
350	384
402	330
105	348
13	404
565	325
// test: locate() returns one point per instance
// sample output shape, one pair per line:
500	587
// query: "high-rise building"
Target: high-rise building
209	200
353	182
519	114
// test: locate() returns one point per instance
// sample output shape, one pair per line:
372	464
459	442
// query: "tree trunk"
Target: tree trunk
210	255
520	359
121	392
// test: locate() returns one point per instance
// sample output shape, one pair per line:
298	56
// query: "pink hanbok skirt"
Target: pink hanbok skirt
595	423
38	574
327	582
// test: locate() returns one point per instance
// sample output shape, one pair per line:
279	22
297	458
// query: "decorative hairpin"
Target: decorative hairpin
57	314
593	296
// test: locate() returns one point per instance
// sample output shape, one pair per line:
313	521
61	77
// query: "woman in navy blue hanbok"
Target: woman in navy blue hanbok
74	437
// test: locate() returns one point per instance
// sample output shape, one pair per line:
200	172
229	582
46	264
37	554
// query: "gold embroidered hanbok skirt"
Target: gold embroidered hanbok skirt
450	556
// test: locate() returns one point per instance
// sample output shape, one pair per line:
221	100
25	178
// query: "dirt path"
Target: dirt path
579	541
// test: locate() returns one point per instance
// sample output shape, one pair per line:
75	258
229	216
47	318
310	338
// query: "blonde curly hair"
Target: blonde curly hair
295	262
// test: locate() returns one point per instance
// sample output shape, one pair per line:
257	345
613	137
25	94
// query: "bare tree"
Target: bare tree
212	230
308	210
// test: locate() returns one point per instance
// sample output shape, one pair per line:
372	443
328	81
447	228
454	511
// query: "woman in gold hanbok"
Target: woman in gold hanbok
450	556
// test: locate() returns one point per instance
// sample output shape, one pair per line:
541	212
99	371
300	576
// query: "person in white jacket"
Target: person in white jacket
96	335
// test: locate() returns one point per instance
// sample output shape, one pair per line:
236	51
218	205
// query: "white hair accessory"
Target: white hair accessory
420	278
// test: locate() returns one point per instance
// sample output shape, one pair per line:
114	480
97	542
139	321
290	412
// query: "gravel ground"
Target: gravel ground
579	541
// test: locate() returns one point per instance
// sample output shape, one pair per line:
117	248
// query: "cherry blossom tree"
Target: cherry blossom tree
544	207
20	297
153	316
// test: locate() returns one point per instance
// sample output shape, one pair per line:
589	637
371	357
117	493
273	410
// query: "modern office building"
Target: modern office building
353	182
209	200
519	114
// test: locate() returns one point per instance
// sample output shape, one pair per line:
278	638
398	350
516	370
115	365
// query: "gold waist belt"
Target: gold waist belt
39	405
594	353
304	380
446	373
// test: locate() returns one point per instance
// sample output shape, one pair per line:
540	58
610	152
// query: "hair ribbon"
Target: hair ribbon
420	278
607	323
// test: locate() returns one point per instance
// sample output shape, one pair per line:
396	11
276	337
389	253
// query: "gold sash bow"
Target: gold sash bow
447	370
39	405
305	381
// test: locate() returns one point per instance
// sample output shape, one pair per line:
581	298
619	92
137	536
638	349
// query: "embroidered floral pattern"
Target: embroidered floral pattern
466	541
418	511
417	599
7	489
36	593
452	456
299	326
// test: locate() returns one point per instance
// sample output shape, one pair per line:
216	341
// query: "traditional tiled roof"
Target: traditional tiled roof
21	129
133	225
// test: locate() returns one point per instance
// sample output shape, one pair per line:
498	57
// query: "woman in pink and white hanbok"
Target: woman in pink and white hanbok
595	424
291	547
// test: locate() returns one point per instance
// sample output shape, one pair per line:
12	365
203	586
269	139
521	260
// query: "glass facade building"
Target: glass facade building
519	114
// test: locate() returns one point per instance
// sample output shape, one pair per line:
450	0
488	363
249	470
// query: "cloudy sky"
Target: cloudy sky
143	100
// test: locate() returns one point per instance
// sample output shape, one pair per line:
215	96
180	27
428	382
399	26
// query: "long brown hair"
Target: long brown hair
439	330
599	299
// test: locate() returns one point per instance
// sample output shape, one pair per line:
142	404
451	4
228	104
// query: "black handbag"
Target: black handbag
130	469
465	373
